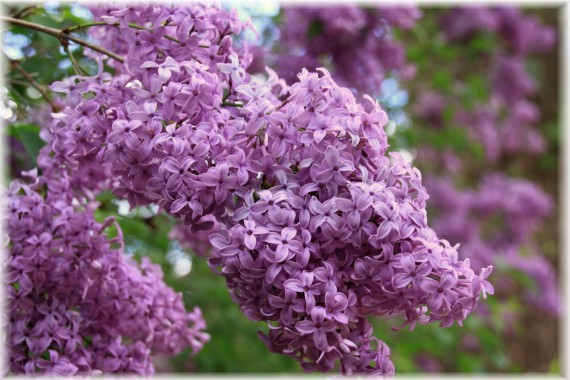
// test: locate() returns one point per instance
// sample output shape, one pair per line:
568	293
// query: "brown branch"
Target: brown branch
62	36
35	84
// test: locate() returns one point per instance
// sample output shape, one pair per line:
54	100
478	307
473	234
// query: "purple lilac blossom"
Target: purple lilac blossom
77	304
314	217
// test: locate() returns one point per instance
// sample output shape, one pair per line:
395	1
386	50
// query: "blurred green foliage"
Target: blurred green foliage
29	136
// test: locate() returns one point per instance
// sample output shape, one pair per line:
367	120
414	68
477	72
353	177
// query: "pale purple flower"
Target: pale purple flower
411	273
251	231
317	326
360	203
305	285
285	242
218	179
333	168
124	131
440	291
234	70
324	213
335	305
288	304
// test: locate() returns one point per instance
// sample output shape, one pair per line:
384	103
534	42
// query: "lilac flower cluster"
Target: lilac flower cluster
504	124
490	225
355	42
333	231
318	228
76	303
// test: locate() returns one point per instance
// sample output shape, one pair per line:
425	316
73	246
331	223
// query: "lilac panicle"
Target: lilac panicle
77	303
313	224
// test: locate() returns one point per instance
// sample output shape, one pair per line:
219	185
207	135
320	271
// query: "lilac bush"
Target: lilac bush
316	226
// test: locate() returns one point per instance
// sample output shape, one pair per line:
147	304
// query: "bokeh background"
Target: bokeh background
473	98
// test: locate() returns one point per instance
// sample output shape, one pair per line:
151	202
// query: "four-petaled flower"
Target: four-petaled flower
439	291
411	273
318	326
285	242
333	168
251	230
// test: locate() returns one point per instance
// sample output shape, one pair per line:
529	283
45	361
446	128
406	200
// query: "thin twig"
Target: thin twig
284	102
62	36
35	84
78	69
71	29
25	11
230	91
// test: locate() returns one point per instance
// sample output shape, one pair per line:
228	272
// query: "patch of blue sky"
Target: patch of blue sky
51	6
392	95
81	11
13	45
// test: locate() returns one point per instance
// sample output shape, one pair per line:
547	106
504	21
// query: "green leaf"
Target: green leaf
482	43
315	29
29	136
442	81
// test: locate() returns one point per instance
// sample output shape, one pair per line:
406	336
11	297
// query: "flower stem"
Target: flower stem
74	28
78	69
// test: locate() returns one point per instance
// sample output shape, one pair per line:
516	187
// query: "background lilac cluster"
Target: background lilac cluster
355	42
505	122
